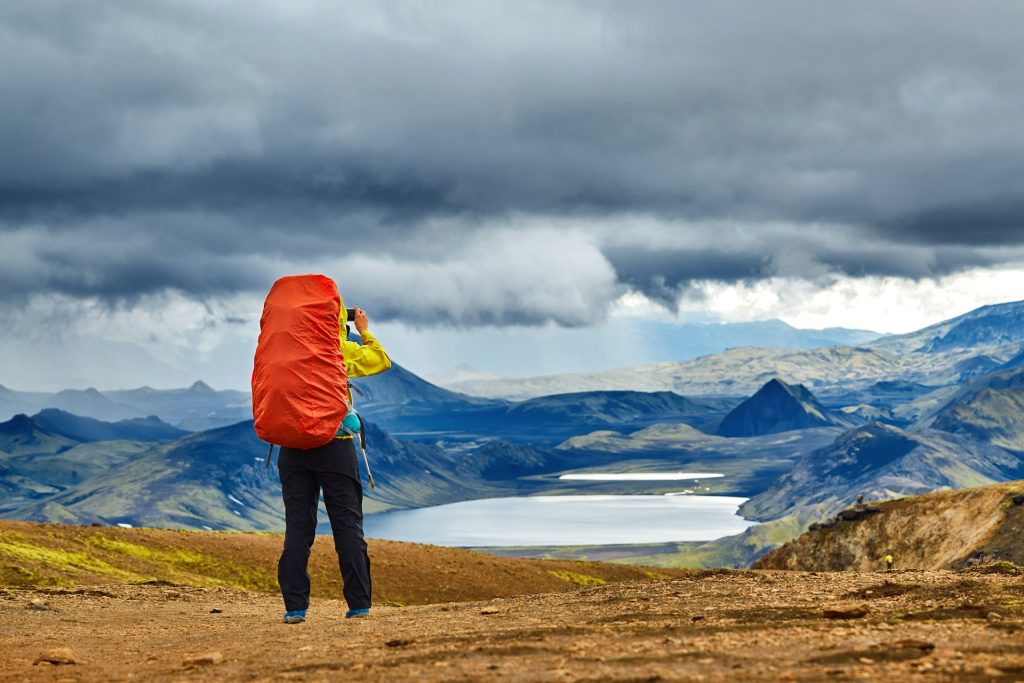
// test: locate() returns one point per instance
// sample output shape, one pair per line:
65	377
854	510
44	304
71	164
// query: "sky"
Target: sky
484	176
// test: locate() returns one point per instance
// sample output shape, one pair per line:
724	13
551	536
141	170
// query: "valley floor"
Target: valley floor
705	625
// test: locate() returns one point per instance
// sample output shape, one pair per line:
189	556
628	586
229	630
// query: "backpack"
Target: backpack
299	384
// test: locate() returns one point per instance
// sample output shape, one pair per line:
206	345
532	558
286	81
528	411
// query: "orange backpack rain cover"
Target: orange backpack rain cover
299	383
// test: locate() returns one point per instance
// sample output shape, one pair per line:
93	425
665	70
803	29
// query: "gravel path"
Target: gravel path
709	626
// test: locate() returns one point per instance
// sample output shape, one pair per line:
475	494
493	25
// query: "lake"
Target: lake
640	476
564	520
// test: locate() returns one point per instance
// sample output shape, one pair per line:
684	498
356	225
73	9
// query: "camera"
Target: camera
350	314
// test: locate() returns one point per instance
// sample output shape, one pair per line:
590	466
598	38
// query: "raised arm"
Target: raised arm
370	358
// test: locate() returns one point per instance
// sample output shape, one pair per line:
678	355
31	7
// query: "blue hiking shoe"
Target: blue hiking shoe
296	616
357	613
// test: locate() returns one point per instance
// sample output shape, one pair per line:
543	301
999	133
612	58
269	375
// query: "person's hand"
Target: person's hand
360	322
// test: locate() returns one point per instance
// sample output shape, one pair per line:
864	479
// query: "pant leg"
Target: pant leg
301	493
343	497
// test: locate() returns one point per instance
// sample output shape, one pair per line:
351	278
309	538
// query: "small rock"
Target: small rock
706	660
399	642
1018	499
490	610
866	660
37	605
697	617
57	656
844	612
216	610
994	616
306	648
912	644
208	659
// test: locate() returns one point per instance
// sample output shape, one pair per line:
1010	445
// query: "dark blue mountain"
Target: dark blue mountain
21	435
1015	362
87	429
411	407
777	407
216	479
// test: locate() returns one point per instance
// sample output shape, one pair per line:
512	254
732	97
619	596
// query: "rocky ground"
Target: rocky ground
710	626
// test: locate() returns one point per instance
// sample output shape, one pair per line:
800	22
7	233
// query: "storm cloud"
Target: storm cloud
476	163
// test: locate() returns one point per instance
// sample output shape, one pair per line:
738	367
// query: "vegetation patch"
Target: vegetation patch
18	548
578	579
191	566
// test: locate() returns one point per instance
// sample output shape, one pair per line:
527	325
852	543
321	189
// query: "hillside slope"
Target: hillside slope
880	462
945	529
35	555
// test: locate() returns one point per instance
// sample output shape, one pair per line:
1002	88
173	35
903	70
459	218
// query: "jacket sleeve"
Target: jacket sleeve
370	358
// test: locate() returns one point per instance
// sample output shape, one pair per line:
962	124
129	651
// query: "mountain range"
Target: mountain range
801	433
947	353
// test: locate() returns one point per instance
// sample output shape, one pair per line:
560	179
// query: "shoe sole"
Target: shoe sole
294	620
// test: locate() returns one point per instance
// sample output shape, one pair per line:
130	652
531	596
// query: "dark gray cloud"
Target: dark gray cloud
206	148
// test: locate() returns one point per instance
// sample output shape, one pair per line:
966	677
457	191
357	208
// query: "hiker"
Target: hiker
334	468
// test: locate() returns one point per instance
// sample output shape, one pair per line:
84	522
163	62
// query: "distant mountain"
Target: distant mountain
216	478
14	402
636	341
1015	362
777	407
408	406
736	372
91	403
21	434
939	355
987	327
86	429
989	410
882	461
196	408
398	389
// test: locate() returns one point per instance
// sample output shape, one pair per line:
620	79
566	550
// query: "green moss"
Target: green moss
176	556
578	579
20	549
189	566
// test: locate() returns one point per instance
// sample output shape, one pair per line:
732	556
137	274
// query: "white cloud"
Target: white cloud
883	304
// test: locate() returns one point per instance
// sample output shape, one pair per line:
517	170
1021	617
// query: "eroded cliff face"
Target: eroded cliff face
941	530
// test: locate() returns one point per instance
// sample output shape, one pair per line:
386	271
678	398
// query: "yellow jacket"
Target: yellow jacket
366	359
361	360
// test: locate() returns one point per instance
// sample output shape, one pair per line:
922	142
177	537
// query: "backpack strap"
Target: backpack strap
266	465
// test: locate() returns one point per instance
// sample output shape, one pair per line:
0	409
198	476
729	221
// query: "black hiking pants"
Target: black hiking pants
335	469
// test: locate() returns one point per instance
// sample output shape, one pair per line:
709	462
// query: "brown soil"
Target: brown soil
711	626
37	555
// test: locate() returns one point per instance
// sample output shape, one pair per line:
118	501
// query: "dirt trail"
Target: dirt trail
713	626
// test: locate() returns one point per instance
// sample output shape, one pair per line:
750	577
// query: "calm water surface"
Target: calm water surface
564	520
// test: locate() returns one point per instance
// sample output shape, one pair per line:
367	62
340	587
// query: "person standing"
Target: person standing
334	469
